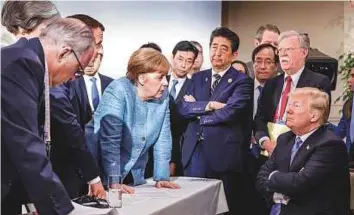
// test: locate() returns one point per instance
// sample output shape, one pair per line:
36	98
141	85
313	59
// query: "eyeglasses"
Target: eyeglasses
267	63
286	50
79	72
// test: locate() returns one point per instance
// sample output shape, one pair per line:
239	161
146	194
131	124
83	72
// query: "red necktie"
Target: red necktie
284	100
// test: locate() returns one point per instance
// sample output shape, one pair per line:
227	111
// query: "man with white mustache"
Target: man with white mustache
272	106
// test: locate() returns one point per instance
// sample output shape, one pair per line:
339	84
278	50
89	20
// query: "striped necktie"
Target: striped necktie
217	78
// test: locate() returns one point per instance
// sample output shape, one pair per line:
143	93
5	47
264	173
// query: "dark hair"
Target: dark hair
27	14
265	46
267	27
185	46
243	64
152	45
88	20
228	34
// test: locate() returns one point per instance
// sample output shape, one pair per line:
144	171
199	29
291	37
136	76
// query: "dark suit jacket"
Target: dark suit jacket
24	161
226	131
317	181
271	94
80	99
71	157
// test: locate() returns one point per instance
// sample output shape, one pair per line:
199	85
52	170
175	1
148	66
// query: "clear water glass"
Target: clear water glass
114	191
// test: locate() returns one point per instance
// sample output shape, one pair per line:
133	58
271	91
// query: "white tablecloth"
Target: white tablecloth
195	197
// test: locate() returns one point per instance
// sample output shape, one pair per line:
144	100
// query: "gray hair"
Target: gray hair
71	32
263	28
286	34
27	14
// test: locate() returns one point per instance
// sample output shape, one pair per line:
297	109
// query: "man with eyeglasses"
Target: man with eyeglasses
72	106
272	106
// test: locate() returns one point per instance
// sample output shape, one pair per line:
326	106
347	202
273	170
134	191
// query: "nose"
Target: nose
183	65
218	51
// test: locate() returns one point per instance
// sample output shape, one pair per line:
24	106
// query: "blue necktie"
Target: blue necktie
94	91
173	88
275	210
352	124
215	83
296	146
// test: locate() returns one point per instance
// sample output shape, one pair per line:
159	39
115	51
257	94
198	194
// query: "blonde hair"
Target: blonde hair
146	60
317	100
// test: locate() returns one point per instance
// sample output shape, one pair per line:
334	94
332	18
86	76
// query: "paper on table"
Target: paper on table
274	130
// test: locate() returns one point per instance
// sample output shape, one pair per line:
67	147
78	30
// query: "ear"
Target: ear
315	116
306	52
235	54
141	79
256	43
64	52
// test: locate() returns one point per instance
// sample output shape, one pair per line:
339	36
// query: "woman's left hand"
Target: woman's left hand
166	184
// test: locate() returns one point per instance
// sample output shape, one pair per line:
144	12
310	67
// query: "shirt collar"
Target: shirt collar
222	73
180	80
257	83
305	136
296	76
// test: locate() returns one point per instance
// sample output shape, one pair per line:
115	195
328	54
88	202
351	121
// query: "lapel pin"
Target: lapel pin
230	80
206	79
307	147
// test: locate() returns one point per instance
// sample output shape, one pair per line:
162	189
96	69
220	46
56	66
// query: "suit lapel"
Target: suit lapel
84	100
304	150
303	79
225	81
206	85
182	91
278	90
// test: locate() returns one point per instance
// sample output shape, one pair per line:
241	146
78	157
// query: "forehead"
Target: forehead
270	36
98	35
221	41
185	54
265	53
289	41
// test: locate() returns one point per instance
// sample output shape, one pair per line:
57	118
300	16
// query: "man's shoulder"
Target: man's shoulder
105	78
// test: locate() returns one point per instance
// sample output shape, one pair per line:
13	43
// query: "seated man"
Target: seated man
307	172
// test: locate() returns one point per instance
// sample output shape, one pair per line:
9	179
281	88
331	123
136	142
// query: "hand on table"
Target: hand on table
166	184
97	190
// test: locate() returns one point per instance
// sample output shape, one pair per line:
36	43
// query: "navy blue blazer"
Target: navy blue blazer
317	180
80	99
69	152
24	162
226	131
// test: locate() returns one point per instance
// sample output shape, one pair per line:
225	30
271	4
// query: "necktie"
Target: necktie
352	124
298	143
94	91
217	78
260	88
284	100
275	210
173	88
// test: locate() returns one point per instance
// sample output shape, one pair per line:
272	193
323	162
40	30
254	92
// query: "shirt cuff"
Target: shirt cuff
260	142
94	181
272	173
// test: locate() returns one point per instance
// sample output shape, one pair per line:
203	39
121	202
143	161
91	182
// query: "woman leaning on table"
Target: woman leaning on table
133	115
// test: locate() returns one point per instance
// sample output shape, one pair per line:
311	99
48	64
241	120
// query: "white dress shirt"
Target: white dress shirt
88	84
178	86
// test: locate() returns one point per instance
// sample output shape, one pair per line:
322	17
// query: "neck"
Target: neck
220	69
307	129
293	71
261	81
176	76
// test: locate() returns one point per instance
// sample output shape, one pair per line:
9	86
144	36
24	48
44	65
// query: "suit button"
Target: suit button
143	139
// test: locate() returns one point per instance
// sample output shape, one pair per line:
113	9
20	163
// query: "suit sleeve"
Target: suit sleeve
66	126
326	87
191	110
328	159
162	150
236	105
20	136
108	123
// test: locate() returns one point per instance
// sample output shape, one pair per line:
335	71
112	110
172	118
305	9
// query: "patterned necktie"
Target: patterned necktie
296	146
284	100
352	124
173	88
217	78
46	132
260	88
275	210
94	91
